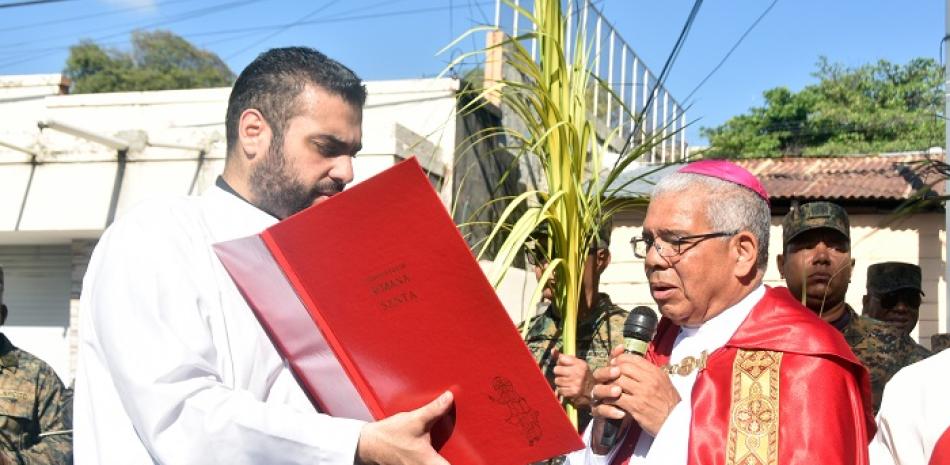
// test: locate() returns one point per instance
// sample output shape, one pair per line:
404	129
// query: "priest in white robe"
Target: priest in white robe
913	425
173	366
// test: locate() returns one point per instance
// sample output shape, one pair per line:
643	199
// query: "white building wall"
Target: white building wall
73	183
19	97
64	198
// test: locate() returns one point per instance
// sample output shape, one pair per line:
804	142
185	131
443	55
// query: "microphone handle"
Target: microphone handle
610	433
612	428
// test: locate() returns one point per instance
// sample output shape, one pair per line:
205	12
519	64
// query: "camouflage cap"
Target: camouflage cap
891	276
814	215
939	342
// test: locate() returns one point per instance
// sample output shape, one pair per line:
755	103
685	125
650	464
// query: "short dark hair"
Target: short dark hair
272	82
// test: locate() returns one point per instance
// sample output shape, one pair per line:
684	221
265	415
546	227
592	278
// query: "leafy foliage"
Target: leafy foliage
550	100
881	107
158	60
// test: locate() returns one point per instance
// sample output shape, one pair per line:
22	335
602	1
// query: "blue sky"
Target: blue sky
391	39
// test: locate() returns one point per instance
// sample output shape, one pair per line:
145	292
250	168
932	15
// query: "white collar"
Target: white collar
231	217
716	331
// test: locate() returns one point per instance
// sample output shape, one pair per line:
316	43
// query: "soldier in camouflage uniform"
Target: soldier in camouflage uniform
33	425
894	294
816	264
599	329
939	342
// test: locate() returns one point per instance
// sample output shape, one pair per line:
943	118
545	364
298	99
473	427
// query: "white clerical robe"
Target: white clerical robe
915	413
173	366
670	446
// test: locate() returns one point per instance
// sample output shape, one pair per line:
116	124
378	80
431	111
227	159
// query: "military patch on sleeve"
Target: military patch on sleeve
11	394
753	423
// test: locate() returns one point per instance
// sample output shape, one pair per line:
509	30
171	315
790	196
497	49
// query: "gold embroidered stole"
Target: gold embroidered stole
753	422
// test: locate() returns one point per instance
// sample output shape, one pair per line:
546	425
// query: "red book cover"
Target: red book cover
378	305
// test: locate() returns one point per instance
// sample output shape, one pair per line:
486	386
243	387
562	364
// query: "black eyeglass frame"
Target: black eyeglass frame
676	243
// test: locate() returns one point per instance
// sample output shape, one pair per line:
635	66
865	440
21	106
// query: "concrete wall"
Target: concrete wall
71	185
918	239
59	189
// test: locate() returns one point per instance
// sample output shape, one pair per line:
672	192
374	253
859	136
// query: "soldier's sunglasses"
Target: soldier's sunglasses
911	297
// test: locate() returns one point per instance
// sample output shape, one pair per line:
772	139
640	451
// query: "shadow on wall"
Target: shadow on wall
933	266
38	281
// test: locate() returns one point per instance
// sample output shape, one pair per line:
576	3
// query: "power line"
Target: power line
31	55
184	16
88	16
733	49
251	31
667	67
340	17
329	19
283	29
29	3
480	11
35	54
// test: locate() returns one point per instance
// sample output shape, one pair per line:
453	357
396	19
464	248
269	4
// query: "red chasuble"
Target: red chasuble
785	390
941	453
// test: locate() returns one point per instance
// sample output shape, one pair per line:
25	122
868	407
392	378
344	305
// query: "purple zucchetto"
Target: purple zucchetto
727	171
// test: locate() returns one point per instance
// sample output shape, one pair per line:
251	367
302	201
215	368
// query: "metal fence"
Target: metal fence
615	63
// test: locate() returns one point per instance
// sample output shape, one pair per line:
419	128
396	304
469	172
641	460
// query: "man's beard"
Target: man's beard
278	191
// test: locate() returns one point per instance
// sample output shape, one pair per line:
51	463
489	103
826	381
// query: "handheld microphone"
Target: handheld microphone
638	330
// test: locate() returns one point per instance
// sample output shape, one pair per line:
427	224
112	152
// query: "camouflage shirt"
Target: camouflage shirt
601	331
939	342
881	348
33	420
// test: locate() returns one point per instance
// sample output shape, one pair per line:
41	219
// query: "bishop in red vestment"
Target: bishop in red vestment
782	387
786	389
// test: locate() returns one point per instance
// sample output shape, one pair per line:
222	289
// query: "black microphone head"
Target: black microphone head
640	324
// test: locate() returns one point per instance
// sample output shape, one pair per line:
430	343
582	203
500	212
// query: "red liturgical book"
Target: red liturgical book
378	305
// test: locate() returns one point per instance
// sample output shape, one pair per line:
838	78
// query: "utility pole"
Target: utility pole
944	319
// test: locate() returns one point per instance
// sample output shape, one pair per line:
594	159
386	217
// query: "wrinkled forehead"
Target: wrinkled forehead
681	212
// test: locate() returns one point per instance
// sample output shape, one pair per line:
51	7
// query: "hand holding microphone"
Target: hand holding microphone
638	330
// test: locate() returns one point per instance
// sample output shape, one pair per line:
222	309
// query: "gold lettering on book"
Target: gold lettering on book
398	300
390	284
389	287
394	269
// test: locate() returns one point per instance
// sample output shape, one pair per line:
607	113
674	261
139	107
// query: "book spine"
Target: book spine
283	349
352	372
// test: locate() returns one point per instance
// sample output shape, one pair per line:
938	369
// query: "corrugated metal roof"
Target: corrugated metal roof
881	177
871	178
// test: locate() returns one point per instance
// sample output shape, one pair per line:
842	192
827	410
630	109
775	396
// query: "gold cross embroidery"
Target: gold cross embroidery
687	365
756	363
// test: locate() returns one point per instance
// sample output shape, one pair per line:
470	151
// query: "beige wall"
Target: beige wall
918	239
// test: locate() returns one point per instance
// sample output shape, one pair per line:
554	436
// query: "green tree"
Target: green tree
158	60
881	107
